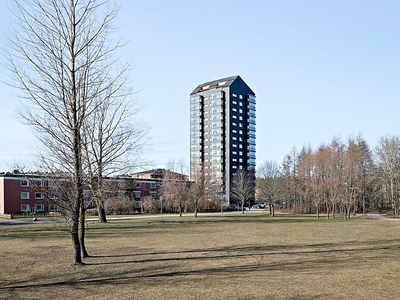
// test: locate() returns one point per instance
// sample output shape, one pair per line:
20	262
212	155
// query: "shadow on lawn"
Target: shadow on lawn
142	226
224	261
252	250
153	226
393	244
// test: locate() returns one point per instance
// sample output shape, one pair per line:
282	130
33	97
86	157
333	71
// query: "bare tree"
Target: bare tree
242	188
201	183
119	204
150	205
340	177
61	59
336	165
322	175
388	163
113	143
175	186
305	166
357	163
290	179
268	176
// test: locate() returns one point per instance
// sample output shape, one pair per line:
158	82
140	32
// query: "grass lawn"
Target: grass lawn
253	256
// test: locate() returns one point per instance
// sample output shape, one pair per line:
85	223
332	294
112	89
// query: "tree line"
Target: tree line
200	193
339	177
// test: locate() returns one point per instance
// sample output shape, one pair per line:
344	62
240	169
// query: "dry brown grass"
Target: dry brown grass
226	257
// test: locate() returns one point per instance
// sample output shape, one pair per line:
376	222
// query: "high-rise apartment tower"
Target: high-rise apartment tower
223	132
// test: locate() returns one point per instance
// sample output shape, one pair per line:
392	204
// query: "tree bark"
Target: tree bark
100	200
74	231
82	230
333	210
327	210
102	213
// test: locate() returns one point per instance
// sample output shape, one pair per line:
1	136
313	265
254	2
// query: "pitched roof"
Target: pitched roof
219	83
156	173
152	171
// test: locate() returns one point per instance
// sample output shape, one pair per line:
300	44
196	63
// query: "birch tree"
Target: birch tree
388	163
61	60
113	141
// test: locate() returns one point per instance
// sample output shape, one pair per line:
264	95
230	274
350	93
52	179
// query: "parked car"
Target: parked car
258	206
239	207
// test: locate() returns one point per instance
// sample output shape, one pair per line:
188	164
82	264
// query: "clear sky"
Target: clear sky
319	68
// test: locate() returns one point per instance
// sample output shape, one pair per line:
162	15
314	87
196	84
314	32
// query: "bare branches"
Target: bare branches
268	183
242	187
388	169
174	187
74	95
201	184
331	178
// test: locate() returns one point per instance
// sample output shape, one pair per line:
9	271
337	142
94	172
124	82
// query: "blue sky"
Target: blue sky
319	69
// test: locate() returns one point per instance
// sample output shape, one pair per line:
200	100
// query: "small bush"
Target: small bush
119	205
149	205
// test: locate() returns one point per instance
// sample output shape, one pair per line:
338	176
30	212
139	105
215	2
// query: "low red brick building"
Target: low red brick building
27	193
20	194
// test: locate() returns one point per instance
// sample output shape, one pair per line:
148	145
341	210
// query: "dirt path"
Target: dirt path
377	215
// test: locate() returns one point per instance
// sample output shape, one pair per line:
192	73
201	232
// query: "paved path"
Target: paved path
29	221
167	215
377	215
8	222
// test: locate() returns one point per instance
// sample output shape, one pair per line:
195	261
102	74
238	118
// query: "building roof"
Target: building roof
153	172
156	173
219	83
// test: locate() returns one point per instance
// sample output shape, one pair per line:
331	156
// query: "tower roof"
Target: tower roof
219	83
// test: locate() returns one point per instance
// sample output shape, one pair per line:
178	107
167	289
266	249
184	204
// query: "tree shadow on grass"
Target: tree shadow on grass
145	227
242	252
392	244
223	261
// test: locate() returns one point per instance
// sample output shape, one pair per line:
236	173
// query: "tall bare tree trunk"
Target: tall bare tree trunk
82	230
62	60
100	201
75	242
327	210
102	212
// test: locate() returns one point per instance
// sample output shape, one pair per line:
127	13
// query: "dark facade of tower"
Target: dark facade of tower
223	132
